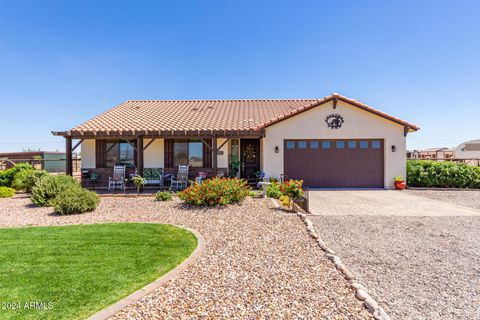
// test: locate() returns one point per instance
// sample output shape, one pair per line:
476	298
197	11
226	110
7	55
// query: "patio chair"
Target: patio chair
180	181
153	176
118	179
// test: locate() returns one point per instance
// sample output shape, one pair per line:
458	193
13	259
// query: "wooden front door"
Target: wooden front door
250	157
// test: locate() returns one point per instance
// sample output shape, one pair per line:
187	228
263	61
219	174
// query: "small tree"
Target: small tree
139	182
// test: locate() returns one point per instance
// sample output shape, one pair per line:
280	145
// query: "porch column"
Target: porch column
140	155
68	153
214	156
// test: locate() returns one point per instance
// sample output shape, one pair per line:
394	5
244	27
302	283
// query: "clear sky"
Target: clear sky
62	62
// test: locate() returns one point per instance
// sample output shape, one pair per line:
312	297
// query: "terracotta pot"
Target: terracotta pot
400	185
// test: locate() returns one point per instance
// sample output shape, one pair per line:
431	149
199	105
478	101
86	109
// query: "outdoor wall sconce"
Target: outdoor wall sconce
277	150
394	149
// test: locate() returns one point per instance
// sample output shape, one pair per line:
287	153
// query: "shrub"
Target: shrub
19	179
32	179
163	196
50	186
6	192
7	176
435	174
284	200
75	200
273	190
291	189
216	191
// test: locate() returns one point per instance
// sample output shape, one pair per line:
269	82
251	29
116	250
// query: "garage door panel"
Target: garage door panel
357	164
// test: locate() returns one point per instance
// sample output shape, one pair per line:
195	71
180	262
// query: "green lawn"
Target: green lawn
78	270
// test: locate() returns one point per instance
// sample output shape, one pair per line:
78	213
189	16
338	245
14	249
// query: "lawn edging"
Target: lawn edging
149	288
361	292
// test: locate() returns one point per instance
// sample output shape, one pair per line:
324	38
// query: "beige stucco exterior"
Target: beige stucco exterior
359	124
153	156
88	153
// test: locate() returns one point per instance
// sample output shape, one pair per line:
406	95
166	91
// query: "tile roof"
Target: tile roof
207	115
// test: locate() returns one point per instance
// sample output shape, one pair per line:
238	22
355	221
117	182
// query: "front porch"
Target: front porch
227	155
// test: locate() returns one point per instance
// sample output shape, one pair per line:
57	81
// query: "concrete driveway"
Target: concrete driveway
418	257
381	203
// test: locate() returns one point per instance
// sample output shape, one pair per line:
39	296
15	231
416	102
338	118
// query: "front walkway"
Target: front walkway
258	263
418	257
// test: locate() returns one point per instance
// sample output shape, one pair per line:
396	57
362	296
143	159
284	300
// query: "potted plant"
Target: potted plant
400	183
139	182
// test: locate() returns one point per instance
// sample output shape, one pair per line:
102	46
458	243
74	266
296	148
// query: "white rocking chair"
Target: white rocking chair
180	181
118	179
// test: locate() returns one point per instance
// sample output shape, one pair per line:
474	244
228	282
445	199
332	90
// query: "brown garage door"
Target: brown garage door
335	163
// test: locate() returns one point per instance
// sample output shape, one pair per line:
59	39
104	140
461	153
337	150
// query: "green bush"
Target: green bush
75	200
273	190
163	196
216	191
20	179
32	179
50	186
6	192
7	176
436	174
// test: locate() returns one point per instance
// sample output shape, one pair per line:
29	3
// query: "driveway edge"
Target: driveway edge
361	292
149	288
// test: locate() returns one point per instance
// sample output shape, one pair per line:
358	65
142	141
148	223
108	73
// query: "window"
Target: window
340	144
290	144
302	144
119	153
313	144
376	144
325	144
352	144
364	144
188	152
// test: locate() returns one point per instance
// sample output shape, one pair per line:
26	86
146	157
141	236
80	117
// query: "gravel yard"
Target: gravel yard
470	198
258	263
416	267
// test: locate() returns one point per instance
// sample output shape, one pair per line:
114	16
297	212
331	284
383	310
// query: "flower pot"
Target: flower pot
400	185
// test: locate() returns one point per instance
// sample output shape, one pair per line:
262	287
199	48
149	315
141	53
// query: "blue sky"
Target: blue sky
62	62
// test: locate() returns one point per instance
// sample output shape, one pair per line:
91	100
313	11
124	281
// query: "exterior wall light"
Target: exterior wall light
277	150
394	148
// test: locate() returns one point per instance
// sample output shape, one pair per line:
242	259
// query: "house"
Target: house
330	142
437	154
44	160
469	152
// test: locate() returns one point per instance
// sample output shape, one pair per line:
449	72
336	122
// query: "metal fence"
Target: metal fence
50	165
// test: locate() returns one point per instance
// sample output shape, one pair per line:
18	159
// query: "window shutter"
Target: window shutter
100	154
207	154
168	153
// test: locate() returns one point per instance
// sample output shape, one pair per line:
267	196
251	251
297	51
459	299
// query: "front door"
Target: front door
250	157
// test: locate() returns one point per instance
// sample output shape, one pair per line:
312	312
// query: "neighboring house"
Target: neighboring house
330	142
469	152
413	154
44	160
437	154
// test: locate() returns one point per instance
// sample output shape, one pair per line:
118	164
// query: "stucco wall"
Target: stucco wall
222	159
359	124
88	154
153	156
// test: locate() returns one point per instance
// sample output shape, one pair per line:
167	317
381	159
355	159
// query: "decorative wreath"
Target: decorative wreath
334	121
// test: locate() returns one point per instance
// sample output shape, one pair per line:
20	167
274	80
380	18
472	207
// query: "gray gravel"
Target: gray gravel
415	267
258	263
467	198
